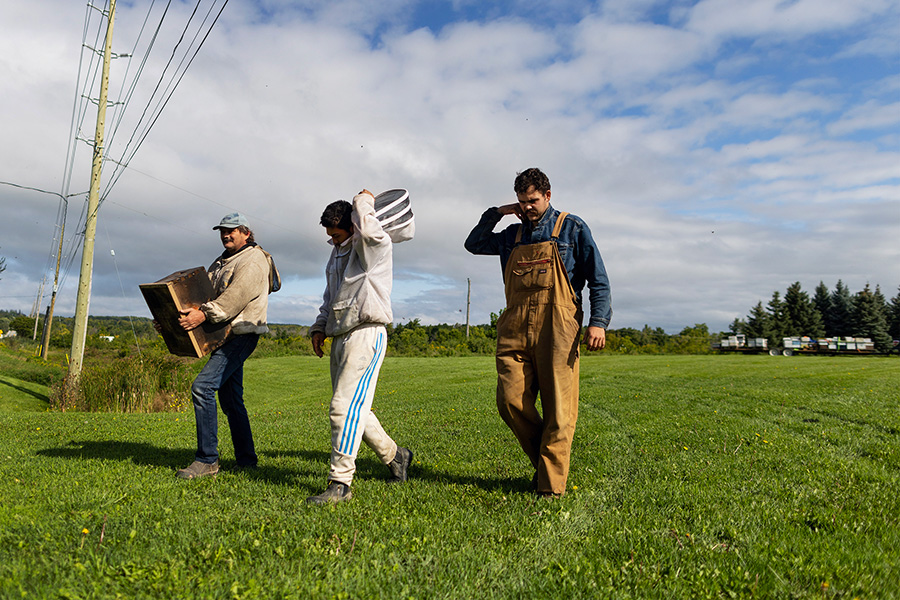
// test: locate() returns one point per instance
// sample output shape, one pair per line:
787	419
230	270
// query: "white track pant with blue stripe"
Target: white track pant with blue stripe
356	359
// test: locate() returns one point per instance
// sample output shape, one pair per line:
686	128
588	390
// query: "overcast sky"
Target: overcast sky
719	150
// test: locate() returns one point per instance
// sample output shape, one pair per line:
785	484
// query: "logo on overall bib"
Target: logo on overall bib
534	273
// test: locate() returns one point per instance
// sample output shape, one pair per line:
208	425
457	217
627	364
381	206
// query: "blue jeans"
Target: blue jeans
224	373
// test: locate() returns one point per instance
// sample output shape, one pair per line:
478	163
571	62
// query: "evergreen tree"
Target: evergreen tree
737	326
869	321
777	319
822	302
757	325
894	321
840	321
883	303
801	316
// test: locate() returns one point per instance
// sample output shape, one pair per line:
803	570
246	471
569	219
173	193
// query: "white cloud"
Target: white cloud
624	54
870	116
705	190
737	18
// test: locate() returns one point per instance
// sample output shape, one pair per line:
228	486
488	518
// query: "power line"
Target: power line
253	218
168	92
91	72
33	189
63	200
131	89
79	112
112	252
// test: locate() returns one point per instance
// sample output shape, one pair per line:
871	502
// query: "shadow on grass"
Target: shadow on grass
42	397
366	467
491	484
142	453
371	468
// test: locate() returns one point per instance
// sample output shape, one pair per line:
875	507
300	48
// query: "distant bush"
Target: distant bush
415	339
61	336
152	382
270	347
22	325
410	339
19	360
691	340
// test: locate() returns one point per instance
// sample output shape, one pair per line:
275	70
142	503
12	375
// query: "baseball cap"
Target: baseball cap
233	221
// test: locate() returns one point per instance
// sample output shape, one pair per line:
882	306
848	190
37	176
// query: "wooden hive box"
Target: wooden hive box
180	291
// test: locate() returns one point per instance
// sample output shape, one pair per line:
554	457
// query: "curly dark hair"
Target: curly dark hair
531	177
337	215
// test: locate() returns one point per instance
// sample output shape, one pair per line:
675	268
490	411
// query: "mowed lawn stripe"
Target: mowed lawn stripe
692	476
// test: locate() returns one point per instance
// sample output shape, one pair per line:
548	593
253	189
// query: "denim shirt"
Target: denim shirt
576	246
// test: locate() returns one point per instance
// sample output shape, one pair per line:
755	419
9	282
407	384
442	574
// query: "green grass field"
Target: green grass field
692	477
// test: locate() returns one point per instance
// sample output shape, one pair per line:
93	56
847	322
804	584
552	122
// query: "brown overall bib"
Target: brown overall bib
537	351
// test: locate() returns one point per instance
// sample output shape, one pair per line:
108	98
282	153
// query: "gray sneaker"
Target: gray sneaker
399	467
334	493
198	469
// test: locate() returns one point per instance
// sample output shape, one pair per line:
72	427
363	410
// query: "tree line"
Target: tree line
404	339
837	313
410	338
827	313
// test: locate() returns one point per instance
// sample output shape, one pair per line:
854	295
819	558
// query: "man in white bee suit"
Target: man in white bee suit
355	309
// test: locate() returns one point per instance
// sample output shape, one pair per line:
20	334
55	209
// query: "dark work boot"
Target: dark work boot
399	467
334	493
198	469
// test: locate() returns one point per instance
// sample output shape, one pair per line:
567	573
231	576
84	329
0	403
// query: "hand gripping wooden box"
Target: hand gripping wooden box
180	291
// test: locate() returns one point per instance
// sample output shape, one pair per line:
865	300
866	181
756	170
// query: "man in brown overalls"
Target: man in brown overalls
546	261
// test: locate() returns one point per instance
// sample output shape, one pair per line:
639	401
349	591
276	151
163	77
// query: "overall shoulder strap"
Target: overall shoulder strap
559	223
519	235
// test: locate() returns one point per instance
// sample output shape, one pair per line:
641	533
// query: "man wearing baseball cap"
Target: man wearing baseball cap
241	280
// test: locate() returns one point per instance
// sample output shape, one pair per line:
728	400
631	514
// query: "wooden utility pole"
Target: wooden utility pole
36	310
468	302
83	300
48	322
45	335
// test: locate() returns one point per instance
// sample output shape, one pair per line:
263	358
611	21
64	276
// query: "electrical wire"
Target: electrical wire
170	88
79	114
62	209
149	117
119	114
112	253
